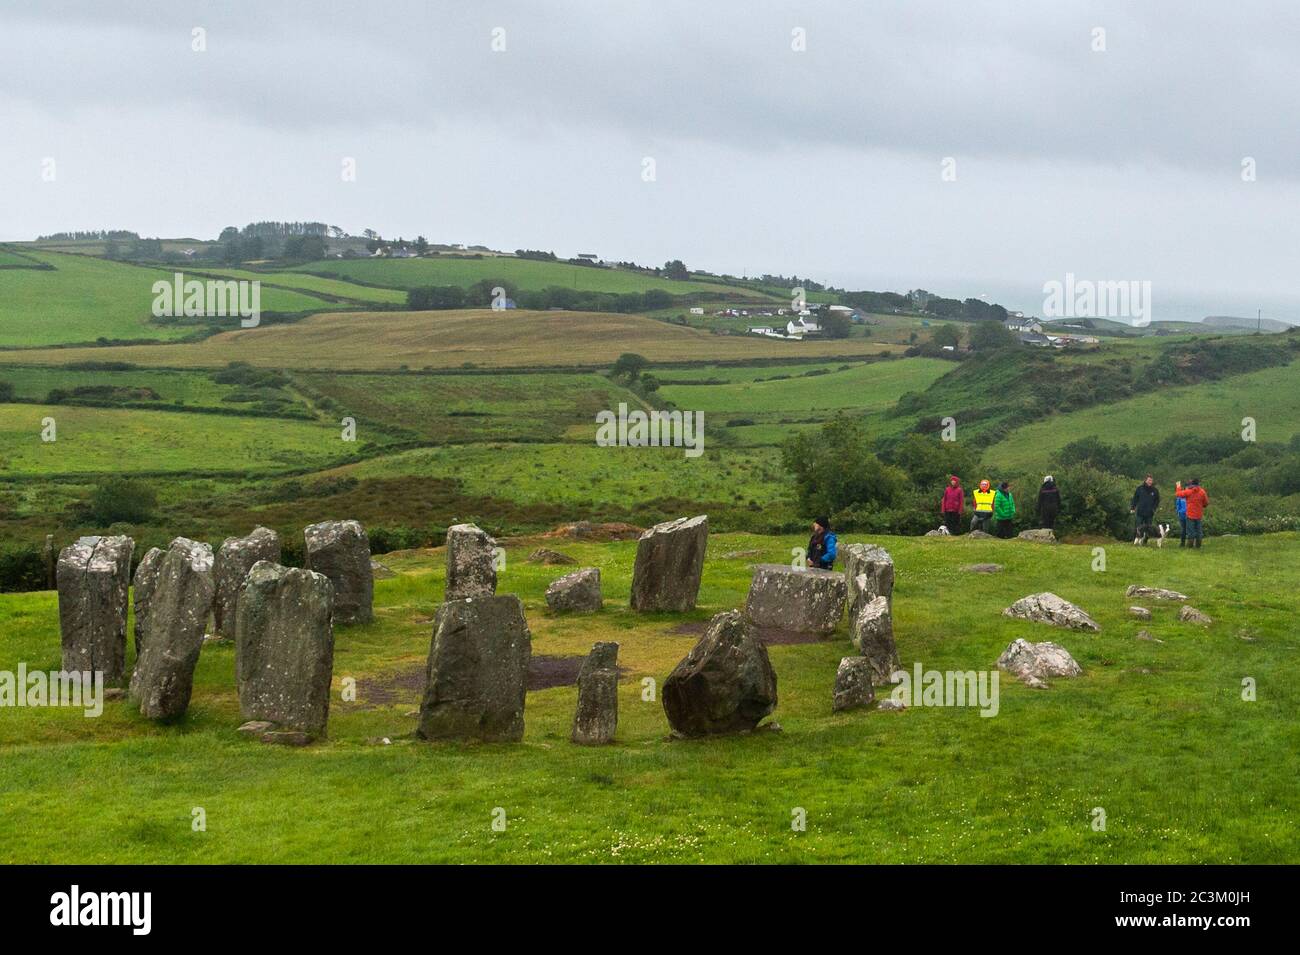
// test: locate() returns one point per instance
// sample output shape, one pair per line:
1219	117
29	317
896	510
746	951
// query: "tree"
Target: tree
6	391
834	468
676	269
946	335
929	461
990	336
835	324
421	244
122	500
630	365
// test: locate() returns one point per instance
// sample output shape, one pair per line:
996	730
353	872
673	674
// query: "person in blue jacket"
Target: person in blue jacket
822	545
1181	504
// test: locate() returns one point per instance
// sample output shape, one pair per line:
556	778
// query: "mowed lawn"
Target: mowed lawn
454	338
84	299
115	441
1155	735
527	274
867	386
1271	397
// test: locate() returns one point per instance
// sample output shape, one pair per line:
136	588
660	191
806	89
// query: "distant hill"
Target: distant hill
1235	321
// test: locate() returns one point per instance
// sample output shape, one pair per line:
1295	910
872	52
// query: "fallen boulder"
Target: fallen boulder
544	555
477	674
1041	535
1192	615
93	577
726	684
853	684
1153	593
1142	613
284	647
578	591
669	563
340	550
800	600
471	563
173	632
1051	609
235	558
1033	663
872	634
596	718
983	568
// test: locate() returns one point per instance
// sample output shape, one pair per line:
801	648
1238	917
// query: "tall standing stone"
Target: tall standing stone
477	674
726	684
235	558
94	576
173	631
596	717
142	588
873	563
873	637
341	551
669	562
800	600
471	565
284	647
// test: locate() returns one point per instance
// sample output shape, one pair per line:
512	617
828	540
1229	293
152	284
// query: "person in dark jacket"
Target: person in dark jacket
1049	503
1145	503
822	545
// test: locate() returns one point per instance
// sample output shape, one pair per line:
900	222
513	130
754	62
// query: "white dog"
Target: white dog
1164	532
943	530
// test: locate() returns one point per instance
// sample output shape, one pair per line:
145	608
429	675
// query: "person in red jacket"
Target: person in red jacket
1197	501
953	504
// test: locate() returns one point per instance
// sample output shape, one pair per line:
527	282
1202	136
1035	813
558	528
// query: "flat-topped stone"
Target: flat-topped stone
341	551
669	564
93	578
802	600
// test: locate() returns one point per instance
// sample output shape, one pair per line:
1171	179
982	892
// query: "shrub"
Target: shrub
123	500
834	470
21	569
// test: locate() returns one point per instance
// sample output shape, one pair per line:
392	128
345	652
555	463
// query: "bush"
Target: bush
21	569
6	391
123	500
835	470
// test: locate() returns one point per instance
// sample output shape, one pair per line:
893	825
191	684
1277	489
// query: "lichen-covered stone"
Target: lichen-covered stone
726	684
93	579
578	591
596	718
341	551
235	558
1051	609
669	563
471	564
801	600
173	632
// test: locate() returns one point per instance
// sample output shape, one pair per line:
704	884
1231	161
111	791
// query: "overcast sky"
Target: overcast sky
827	162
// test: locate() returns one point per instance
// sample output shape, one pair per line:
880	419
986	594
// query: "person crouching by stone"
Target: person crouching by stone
1004	509
1145	503
982	499
1049	503
822	545
954	502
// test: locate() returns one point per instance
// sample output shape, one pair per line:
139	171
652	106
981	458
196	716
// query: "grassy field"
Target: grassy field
111	441
525	274
188	388
451	339
1271	397
1156	734
84	299
315	284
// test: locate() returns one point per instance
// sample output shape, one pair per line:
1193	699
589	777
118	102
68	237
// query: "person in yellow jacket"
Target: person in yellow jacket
982	518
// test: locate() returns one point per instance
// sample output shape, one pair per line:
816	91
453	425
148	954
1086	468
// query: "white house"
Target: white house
697	311
802	326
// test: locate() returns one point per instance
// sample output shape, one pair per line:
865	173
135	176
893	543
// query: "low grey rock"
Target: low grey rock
1040	535
890	705
1034	663
173	633
1153	593
1192	615
477	674
596	718
799	600
578	591
981	536
543	555
379	572
1146	635
853	684
872	634
937	533
142	587
1051	609
669	564
284	647
471	564
726	684
235	558
983	568
93	578
1142	613
340	550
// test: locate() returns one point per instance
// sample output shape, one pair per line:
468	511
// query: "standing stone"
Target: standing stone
873	637
579	591
726	684
596	718
142	588
173	631
341	551
235	559
284	647
853	684
94	575
471	569
477	674
1051	609
50	560
669	562
877	566
801	600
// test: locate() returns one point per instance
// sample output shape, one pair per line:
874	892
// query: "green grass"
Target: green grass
112	441
310	284
1155	734
1271	397
525	274
85	299
190	388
